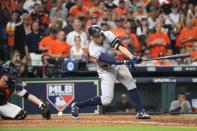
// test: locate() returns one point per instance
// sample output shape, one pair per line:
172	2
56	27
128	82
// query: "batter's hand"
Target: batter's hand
137	59
129	62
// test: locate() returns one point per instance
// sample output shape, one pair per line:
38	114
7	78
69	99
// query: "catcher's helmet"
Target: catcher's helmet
94	30
8	71
4	71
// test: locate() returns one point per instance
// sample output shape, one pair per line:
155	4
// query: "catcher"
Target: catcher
9	85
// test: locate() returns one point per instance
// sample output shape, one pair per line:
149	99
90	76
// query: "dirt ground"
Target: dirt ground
101	120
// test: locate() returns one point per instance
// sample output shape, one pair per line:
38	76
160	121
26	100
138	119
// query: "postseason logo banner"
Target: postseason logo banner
60	95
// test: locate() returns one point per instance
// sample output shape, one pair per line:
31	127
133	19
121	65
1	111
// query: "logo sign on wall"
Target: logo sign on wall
60	95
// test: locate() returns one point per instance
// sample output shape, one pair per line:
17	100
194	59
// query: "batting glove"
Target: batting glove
137	59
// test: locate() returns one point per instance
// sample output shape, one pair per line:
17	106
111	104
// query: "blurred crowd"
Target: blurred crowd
57	29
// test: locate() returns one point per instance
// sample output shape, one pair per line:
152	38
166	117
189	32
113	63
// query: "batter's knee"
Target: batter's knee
106	100
21	115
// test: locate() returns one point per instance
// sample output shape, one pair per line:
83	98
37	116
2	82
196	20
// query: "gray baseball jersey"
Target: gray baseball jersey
110	73
176	104
95	50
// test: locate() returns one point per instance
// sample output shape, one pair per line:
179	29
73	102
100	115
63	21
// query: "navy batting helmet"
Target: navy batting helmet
94	30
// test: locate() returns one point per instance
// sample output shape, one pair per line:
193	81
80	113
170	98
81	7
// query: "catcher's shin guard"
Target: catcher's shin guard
45	108
20	116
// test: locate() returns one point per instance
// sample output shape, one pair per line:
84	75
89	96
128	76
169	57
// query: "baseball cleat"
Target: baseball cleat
74	111
142	115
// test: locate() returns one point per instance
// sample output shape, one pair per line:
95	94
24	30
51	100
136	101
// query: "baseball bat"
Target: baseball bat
177	56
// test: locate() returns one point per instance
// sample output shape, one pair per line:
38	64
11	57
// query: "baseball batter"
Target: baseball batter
110	69
9	85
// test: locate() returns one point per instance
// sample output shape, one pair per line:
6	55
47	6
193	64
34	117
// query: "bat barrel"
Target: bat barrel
178	56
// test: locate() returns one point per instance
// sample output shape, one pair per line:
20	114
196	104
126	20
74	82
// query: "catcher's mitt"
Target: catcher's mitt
45	108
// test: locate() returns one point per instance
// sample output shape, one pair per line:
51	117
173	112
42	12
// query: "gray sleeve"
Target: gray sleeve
95	51
188	107
110	35
111	38
173	106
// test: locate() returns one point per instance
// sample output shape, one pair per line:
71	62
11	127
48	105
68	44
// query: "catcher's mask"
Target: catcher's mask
9	72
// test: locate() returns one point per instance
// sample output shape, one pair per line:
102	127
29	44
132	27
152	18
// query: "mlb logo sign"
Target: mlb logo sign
60	95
